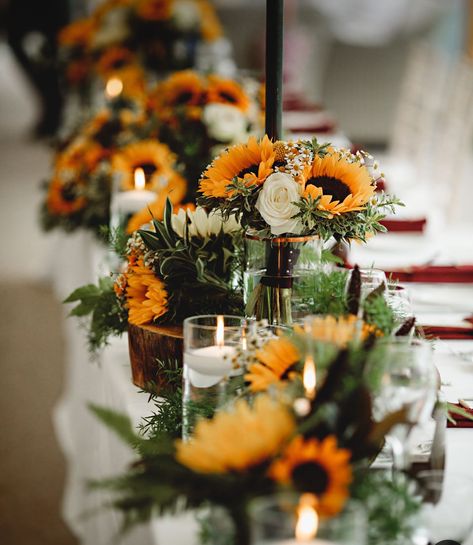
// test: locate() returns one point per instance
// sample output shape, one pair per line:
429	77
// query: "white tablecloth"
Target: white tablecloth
93	452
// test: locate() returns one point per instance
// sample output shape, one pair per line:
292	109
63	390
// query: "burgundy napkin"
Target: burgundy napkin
461	421
327	127
297	103
448	332
404	226
434	273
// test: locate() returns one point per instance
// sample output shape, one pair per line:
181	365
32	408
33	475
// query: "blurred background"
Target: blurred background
395	76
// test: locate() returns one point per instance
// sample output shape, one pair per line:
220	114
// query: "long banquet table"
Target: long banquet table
93	452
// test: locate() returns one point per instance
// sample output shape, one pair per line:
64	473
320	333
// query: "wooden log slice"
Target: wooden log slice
152	350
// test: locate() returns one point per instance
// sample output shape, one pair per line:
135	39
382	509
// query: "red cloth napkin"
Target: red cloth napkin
461	421
405	226
327	127
434	273
448	332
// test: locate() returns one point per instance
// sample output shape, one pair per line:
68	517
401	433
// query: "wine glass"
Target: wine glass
399	300
405	379
370	280
447	510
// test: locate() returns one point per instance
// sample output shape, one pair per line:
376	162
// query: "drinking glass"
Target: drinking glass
211	345
447	508
405	379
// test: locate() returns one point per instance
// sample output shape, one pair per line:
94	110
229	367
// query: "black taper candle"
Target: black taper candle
274	54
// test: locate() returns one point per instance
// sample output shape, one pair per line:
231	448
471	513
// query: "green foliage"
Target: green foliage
108	317
200	274
391	505
376	311
329	289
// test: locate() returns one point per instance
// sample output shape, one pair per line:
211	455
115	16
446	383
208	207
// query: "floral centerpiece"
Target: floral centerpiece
287	435
124	35
187	263
109	147
198	116
291	197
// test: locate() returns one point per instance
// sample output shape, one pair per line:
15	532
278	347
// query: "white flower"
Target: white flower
276	203
186	15
202	225
114	28
224	122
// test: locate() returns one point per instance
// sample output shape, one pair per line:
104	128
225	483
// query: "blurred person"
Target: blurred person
32	27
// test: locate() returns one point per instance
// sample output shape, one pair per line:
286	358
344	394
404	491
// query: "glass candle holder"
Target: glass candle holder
285	520
211	370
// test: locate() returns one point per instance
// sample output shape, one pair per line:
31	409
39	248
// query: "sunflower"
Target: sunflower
174	191
106	7
343	185
82	155
154	10
146	295
78	71
227	91
64	199
319	467
237	440
210	25
77	34
251	163
114	58
154	158
182	88
338	330
133	78
275	359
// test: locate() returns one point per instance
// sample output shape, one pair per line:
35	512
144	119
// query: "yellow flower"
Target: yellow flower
210	25
275	359
319	467
252	163
77	34
64	198
154	10
335	330
146	295
154	158
227	91
238	440
114	58
343	186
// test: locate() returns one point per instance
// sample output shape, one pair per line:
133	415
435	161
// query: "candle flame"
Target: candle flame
307	519
113	88
309	377
140	181
220	334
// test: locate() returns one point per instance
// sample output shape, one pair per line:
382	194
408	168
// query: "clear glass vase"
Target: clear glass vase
279	277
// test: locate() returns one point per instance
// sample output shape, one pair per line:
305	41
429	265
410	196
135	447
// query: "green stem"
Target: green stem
241	524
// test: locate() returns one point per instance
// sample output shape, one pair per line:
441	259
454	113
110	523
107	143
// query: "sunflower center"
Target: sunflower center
119	63
68	192
310	476
252	169
228	97
105	135
331	186
148	168
183	98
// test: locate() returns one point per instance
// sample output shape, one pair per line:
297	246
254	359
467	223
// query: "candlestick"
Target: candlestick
274	65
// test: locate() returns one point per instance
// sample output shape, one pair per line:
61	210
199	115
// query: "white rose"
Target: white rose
276	203
186	15
224	122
